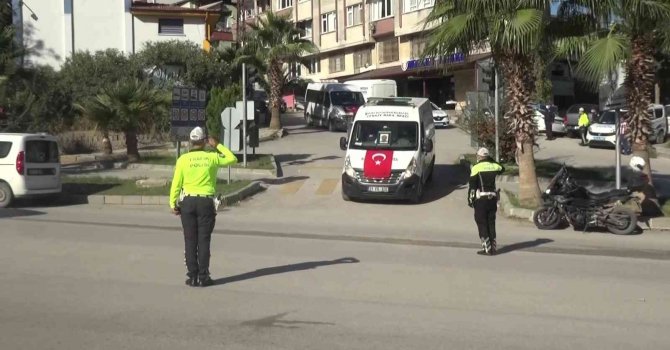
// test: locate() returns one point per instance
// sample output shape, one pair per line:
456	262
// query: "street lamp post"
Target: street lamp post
496	111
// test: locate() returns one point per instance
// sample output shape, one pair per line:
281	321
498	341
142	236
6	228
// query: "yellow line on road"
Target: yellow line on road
292	187
327	186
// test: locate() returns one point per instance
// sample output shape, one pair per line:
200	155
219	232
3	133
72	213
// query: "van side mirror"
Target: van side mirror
343	143
428	146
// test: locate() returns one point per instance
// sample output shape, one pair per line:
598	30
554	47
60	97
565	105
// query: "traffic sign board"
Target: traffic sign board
188	111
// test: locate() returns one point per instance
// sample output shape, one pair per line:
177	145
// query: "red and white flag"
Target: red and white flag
378	164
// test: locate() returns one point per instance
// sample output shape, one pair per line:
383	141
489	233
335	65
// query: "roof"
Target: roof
397	101
140	7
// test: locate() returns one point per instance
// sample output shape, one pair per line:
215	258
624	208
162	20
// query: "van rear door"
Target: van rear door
42	163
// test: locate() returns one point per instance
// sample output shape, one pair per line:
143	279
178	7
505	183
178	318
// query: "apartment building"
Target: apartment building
371	39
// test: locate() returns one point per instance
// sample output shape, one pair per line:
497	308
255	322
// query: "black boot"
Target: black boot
494	247
486	247
205	281
192	281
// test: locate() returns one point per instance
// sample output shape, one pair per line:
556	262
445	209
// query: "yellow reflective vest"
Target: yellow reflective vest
583	120
195	172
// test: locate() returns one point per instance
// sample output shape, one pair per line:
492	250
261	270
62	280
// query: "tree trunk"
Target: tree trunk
520	86
276	76
106	143
640	73
131	146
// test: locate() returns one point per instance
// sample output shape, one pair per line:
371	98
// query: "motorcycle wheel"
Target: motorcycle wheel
547	218
621	221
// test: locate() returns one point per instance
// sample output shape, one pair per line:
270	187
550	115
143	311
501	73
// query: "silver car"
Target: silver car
440	117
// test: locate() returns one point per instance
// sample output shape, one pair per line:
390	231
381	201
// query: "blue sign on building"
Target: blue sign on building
433	62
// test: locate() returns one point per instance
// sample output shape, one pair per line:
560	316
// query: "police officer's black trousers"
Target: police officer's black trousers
198	217
548	127
485	217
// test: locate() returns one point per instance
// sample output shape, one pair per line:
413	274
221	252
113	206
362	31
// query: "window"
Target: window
414	5
401	136
306	27
315	66
381	9
328	22
418	47
170	26
362	58
5	147
388	50
336	64
354	15
314	96
41	152
296	70
283	4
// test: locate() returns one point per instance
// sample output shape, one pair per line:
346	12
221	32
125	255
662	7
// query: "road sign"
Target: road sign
188	111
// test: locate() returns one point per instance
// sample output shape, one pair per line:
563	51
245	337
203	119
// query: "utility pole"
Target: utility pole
496	112
617	148
244	90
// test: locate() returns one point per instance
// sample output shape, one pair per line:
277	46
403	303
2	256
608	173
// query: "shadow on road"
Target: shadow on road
283	180
15	213
523	245
283	269
446	179
302	162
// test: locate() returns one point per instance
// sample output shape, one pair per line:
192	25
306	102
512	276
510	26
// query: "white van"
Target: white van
376	87
390	150
29	166
333	105
602	131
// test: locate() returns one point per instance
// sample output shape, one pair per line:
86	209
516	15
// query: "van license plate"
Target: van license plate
378	189
598	138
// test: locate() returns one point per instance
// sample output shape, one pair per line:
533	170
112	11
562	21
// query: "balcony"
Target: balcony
381	28
222	35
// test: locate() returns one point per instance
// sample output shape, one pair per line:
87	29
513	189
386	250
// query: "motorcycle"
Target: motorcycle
565	200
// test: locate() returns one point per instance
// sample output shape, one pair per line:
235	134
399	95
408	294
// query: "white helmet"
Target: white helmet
637	163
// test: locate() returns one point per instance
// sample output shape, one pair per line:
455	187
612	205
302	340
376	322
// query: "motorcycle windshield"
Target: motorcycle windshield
554	181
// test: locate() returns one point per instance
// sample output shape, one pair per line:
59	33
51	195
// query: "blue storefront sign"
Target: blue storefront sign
433	62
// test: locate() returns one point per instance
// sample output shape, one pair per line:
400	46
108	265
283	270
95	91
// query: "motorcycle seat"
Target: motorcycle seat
608	194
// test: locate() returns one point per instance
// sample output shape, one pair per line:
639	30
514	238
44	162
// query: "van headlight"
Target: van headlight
339	112
348	169
411	169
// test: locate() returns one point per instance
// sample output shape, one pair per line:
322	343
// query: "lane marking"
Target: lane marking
292	187
327	187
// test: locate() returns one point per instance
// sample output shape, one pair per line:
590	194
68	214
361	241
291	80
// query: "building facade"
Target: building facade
54	29
374	39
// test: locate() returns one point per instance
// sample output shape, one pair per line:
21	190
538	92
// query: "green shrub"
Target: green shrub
484	128
220	99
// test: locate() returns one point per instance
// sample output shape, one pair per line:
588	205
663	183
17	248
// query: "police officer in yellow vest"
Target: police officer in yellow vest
483	196
583	124
195	176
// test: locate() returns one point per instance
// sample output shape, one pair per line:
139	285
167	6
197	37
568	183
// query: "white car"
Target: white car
29	166
603	131
440	117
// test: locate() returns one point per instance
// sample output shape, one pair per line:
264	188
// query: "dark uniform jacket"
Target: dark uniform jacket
483	178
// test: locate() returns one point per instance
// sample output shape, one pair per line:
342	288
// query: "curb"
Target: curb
227	200
661	224
235	173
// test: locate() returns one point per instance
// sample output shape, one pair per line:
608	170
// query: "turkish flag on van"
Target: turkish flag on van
378	164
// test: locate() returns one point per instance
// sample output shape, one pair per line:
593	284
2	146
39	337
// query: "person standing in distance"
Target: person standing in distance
548	122
483	196
583	124
195	175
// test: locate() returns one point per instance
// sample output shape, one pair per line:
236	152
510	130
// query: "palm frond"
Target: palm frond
603	57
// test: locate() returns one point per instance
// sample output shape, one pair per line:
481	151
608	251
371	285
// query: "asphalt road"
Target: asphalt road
118	284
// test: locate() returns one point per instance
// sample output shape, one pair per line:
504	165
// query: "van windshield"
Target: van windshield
345	98
385	135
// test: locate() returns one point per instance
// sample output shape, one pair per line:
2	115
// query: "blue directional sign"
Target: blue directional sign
188	111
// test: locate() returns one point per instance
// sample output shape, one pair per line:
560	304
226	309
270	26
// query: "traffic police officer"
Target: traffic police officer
483	196
548	122
195	176
583	124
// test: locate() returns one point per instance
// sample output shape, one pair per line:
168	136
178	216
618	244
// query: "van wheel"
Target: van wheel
308	120
660	137
418	194
6	195
430	172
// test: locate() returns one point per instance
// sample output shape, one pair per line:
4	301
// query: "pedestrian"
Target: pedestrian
483	197
548	122
583	124
195	177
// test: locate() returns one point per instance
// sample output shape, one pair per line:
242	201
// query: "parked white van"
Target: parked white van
390	150
332	104
29	166
376	87
602	131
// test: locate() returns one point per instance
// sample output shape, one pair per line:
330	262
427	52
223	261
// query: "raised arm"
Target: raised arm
224	157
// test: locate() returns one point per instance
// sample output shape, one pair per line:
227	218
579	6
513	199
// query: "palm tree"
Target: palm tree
273	43
129	106
513	29
627	35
